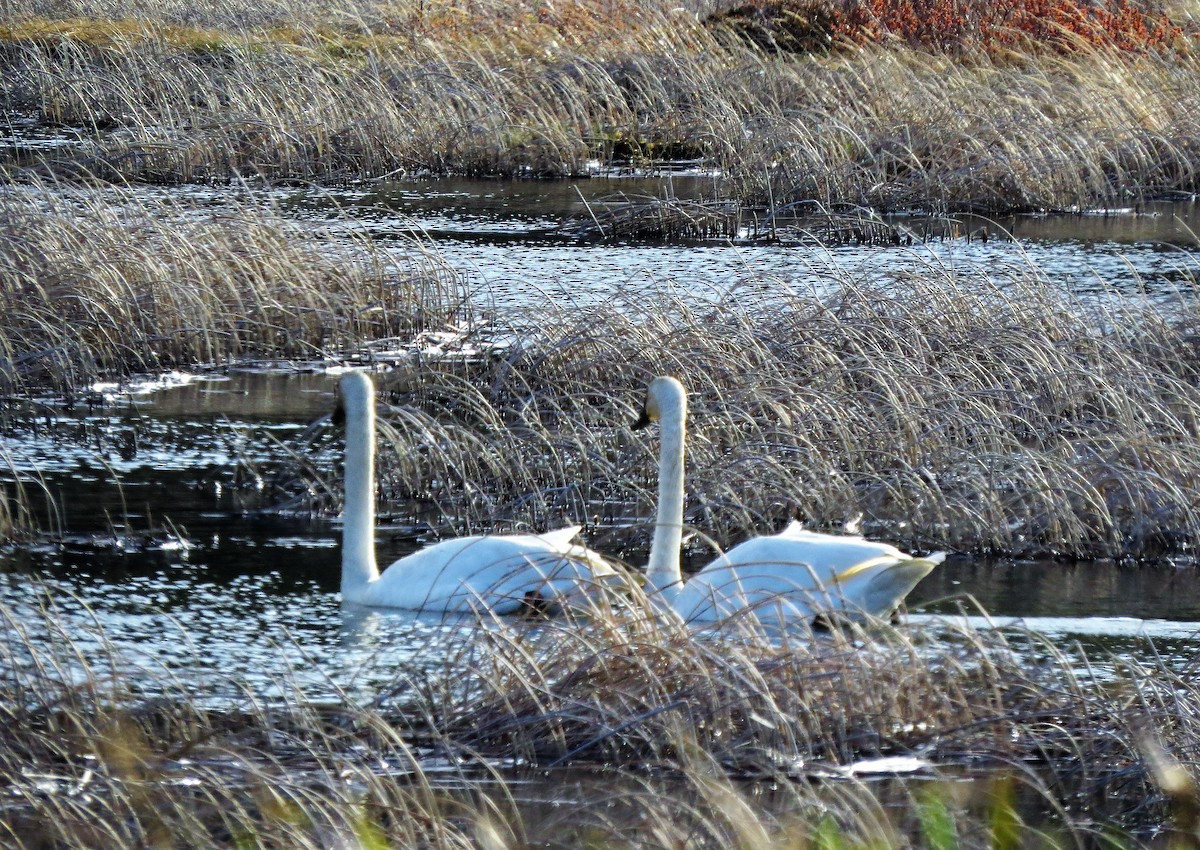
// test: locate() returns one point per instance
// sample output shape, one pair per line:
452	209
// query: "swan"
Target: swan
506	574
795	574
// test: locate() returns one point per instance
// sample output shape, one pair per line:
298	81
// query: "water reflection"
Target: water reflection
1050	589
159	551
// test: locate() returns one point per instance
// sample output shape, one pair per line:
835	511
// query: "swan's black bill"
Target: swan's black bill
642	421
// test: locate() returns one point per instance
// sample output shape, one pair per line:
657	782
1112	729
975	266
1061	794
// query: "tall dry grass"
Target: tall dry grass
675	739
217	92
895	129
101	281
629	691
951	409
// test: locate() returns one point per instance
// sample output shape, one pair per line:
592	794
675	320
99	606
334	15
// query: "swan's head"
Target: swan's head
664	395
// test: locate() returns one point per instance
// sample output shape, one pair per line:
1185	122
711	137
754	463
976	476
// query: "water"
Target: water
163	553
503	237
501	232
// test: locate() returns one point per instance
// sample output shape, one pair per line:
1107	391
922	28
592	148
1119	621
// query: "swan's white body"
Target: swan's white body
792	575
502	573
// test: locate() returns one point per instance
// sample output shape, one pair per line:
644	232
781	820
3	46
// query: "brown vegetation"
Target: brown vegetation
952	410
538	89
99	282
1003	29
687	732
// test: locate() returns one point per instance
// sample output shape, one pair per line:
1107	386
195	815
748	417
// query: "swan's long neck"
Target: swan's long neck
663	570
358	516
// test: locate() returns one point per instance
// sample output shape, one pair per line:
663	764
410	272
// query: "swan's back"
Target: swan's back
798	573
825	555
502	573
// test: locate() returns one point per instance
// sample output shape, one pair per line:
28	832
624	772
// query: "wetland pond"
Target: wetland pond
160	557
236	582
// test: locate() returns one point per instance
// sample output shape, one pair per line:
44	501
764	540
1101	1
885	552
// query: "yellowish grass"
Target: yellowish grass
719	740
951	410
366	90
102	282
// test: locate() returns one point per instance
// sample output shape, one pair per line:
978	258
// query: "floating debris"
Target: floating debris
669	219
623	219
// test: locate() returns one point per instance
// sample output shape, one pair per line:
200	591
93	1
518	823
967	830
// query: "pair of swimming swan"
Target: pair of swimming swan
791	575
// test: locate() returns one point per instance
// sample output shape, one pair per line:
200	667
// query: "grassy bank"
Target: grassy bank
677	740
900	116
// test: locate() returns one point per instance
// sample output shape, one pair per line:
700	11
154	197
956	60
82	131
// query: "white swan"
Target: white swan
504	573
791	575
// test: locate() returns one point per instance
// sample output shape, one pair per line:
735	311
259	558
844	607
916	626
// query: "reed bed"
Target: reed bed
948	409
481	88
103	282
725	739
633	691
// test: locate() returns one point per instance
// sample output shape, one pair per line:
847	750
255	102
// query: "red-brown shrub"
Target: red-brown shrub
994	27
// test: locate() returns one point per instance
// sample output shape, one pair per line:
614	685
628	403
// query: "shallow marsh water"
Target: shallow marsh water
503	233
161	460
503	238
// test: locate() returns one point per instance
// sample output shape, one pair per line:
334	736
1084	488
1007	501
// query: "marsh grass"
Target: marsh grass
499	89
722	739
950	409
101	283
634	691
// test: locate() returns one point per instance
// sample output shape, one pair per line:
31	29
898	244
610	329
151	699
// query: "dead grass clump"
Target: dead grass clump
1098	128
102	282
631	692
635	219
339	94
951	410
376	96
666	732
622	218
87	759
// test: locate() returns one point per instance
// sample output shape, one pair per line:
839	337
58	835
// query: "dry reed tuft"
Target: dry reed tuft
950	409
628	690
679	728
103	282
458	88
96	753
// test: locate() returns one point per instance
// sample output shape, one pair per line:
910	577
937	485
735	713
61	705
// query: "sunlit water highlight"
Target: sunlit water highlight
497	230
